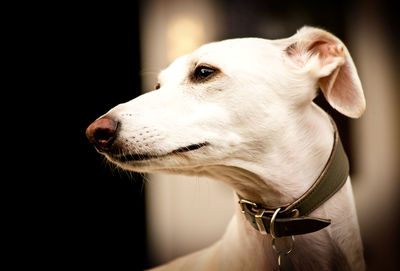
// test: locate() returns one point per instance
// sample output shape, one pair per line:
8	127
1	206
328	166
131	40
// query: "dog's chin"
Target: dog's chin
154	162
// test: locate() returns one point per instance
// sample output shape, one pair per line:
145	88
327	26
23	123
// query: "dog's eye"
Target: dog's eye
202	73
157	86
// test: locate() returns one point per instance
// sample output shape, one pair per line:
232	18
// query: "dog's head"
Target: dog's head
228	102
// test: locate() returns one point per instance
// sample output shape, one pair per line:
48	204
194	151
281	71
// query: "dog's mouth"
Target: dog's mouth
123	158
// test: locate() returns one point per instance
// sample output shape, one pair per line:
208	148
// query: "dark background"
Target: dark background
104	223
66	207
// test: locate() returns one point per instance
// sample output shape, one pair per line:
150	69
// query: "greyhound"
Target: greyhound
241	111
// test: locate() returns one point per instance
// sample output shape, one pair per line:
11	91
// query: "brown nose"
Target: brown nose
102	132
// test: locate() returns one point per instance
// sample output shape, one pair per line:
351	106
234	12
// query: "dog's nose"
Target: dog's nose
102	132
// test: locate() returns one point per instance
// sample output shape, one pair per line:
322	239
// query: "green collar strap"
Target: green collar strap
292	219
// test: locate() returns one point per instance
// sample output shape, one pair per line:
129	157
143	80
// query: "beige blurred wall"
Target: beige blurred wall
376	138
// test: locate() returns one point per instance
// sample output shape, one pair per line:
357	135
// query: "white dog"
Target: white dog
241	111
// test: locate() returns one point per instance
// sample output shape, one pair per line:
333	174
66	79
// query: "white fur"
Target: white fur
266	139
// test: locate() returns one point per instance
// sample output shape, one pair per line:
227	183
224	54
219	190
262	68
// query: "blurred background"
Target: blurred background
83	212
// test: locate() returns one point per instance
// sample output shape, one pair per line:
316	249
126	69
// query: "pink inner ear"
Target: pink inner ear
337	87
318	48
326	50
342	92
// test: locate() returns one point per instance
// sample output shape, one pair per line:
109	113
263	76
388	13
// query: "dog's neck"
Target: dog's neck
278	180
288	169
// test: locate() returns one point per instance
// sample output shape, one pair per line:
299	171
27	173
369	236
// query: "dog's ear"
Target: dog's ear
326	58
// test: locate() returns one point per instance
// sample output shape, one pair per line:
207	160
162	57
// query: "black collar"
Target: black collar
292	219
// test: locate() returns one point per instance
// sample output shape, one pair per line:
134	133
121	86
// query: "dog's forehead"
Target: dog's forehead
240	44
225	55
235	50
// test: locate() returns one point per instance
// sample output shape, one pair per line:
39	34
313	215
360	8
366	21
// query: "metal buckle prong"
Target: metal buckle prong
245	201
259	221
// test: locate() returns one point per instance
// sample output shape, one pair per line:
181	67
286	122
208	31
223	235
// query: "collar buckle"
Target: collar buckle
258	216
242	203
